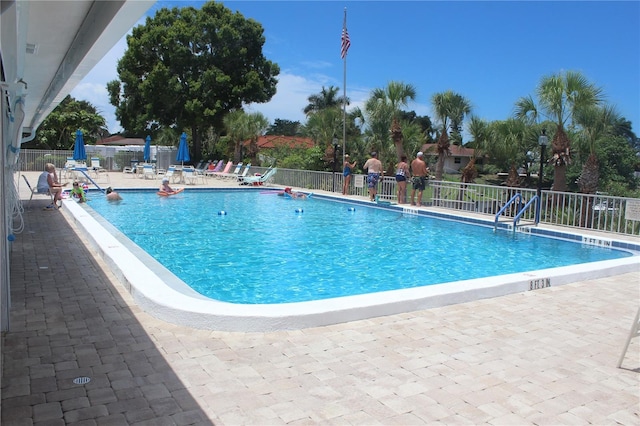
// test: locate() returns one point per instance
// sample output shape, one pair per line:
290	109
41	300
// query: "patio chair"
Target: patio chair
200	169
191	176
236	173
261	179
69	165
240	177
173	174
38	190
148	172
231	174
224	172
214	167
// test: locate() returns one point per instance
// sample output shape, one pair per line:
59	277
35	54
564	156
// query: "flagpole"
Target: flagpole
344	100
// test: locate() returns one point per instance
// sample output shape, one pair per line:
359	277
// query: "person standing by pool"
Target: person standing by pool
347	172
402	172
374	171
419	171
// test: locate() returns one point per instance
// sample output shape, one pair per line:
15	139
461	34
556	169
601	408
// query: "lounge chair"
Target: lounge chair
148	171
236	173
214	167
172	174
224	172
200	169
230	174
243	175
260	180
191	176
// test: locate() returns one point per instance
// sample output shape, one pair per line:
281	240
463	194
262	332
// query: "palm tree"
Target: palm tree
257	125
450	109
327	98
323	126
479	130
596	122
383	111
388	101
238	131
560	97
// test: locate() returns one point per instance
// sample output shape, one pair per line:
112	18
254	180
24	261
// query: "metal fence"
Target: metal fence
111	158
617	215
605	213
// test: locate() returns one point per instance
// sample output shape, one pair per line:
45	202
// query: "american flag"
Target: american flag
346	43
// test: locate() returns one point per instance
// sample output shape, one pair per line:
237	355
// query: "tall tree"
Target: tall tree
596	123
390	100
560	97
257	125
187	67
58	130
327	98
242	127
450	109
282	127
323	126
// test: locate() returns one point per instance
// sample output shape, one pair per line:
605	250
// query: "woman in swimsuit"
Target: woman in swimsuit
402	171
348	171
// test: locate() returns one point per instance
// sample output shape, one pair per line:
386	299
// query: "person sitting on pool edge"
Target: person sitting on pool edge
112	195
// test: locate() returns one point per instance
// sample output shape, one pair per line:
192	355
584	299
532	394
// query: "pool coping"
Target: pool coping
163	295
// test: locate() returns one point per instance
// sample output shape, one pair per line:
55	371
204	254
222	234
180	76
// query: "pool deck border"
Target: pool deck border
163	295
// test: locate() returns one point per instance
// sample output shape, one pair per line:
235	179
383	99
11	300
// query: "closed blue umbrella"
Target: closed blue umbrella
183	150
79	153
147	150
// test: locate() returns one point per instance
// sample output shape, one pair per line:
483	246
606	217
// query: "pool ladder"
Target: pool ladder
516	198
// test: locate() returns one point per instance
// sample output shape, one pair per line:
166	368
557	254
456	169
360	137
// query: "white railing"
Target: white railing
597	212
585	211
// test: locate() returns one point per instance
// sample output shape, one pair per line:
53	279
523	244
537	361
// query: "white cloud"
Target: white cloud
289	100
293	95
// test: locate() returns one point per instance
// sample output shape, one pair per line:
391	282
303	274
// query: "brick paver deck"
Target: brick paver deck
543	357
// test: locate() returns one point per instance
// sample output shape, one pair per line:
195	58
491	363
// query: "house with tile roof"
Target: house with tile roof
458	160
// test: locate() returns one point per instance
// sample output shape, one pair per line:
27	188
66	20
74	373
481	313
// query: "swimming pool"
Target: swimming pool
254	247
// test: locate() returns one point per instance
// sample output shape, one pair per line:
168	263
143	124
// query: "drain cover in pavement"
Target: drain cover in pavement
81	380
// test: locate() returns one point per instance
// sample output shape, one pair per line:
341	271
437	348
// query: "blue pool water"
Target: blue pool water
263	250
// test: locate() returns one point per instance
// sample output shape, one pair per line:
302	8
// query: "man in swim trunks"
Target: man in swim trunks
374	172
419	171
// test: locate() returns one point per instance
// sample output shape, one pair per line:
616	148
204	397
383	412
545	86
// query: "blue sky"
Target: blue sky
490	52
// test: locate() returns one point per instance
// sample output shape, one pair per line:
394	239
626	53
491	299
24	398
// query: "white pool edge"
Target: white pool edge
170	300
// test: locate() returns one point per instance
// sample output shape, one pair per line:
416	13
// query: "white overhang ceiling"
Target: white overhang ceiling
48	46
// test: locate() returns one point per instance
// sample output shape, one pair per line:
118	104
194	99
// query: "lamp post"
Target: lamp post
335	160
542	141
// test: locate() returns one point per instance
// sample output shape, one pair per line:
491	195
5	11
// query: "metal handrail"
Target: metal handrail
521	212
503	208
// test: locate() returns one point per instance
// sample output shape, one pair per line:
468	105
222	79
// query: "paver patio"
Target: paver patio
542	357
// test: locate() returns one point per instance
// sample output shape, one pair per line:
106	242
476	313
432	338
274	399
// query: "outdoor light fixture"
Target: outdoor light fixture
542	141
